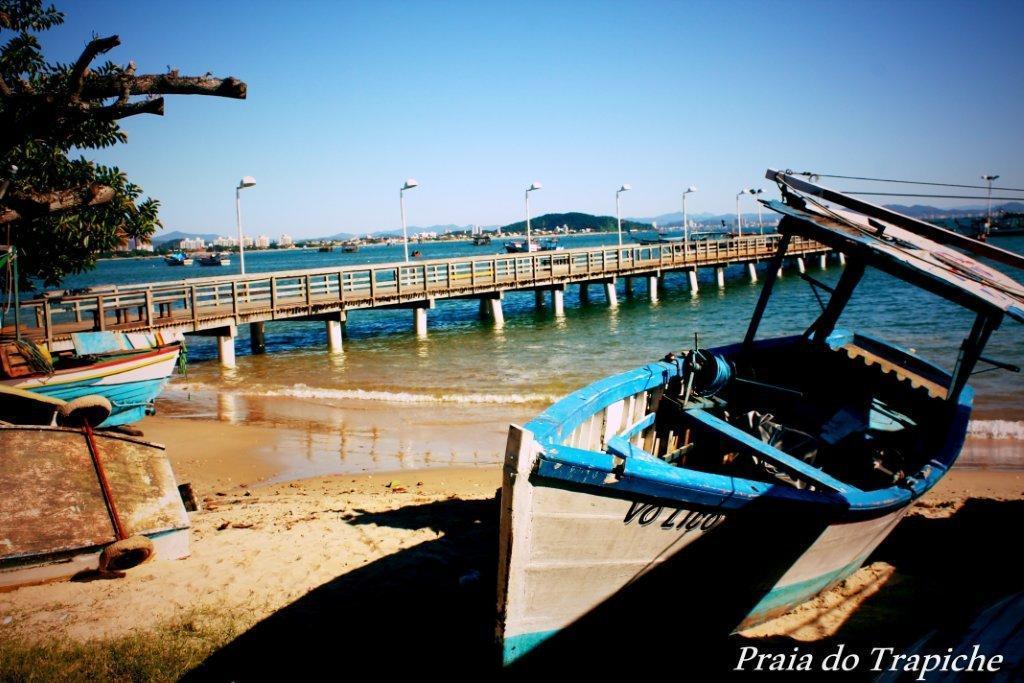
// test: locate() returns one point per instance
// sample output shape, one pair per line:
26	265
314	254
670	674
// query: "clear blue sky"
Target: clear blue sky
476	100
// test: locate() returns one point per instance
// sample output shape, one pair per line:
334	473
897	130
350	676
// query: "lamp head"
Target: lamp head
410	183
691	188
247	181
535	186
626	187
989	178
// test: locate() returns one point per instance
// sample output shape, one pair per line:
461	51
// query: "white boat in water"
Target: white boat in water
704	494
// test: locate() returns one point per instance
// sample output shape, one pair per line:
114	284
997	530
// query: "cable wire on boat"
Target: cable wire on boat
811	174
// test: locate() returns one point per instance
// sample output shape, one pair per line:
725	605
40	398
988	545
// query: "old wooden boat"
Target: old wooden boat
178	259
214	260
56	516
129	370
711	492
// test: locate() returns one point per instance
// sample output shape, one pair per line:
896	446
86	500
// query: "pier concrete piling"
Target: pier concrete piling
842	259
694	288
584	293
610	294
752	271
226	346
720	277
558	301
334	341
494	309
800	265
257	340
652	287
538	298
629	286
419	321
823	261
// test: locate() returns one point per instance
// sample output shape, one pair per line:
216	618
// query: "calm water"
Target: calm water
536	357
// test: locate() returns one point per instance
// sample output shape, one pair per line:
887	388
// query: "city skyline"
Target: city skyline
347	100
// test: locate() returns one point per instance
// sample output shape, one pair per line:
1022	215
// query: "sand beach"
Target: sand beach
295	567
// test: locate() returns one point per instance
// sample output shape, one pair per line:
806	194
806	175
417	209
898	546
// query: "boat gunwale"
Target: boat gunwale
656	478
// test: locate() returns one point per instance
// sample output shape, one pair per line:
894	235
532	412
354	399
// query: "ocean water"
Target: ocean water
536	358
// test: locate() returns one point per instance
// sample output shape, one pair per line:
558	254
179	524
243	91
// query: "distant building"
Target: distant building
262	242
192	244
225	242
285	241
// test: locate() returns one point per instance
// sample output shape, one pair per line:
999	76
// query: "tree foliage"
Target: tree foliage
60	209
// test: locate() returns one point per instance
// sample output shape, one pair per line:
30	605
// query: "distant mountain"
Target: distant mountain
923	210
575	221
668	220
178	235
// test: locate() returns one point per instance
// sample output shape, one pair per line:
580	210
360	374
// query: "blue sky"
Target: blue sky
476	100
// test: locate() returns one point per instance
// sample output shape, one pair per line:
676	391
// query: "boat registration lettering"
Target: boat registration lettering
647	514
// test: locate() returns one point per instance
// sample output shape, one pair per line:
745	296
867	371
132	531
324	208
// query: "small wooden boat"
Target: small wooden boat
325	248
350	247
712	492
526	247
481	240
129	370
214	260
178	259
73	501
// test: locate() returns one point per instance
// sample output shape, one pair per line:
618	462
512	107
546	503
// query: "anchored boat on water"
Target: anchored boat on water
711	492
129	370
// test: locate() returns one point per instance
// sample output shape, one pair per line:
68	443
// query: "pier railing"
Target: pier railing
194	304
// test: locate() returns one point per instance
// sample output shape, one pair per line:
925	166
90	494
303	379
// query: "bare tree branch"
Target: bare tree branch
97	46
165	84
120	111
18	205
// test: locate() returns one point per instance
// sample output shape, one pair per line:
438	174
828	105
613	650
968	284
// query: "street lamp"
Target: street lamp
531	188
686	223
760	223
626	187
247	181
988	221
409	184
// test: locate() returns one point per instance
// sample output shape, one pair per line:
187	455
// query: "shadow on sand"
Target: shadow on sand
432	607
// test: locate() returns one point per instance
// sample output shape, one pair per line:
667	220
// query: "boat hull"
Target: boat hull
54	520
130	382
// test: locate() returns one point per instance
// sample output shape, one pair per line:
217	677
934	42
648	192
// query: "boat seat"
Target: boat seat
794	467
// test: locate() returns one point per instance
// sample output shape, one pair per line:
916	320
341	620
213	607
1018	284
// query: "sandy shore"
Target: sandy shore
402	564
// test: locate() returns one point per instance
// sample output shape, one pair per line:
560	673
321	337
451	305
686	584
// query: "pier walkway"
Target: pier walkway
215	306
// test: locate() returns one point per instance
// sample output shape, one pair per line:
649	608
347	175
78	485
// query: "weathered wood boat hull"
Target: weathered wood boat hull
131	382
54	520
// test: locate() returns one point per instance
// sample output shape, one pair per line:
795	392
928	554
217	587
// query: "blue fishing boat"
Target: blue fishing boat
129	370
710	492
178	259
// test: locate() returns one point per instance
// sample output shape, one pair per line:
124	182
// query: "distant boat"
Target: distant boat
522	246
326	248
350	247
481	240
214	260
708	493
74	501
129	370
178	259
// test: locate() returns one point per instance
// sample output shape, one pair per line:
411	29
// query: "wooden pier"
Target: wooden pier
216	306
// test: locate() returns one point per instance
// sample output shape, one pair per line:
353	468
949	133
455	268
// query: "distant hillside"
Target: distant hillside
178	235
920	210
575	221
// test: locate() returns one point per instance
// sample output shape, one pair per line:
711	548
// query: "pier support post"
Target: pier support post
720	277
538	298
629	286
226	346
842	259
483	308
584	293
693	281
257	341
652	287
419	321
752	271
497	314
610	294
334	339
558	302
800	265
823	262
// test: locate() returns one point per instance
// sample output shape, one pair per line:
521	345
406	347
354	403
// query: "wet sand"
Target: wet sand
399	567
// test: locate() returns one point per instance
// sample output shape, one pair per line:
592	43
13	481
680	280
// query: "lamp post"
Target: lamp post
739	218
988	221
686	223
531	188
247	181
626	187
760	223
409	184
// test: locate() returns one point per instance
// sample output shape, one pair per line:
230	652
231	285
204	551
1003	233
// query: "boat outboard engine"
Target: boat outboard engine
707	374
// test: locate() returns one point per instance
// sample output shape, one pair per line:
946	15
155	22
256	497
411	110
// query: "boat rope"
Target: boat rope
108	496
811	174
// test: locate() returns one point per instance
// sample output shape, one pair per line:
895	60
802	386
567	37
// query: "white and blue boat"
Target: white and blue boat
676	503
129	370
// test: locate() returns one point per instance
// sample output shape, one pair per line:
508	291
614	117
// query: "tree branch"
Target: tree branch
120	111
165	84
18	205
97	46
